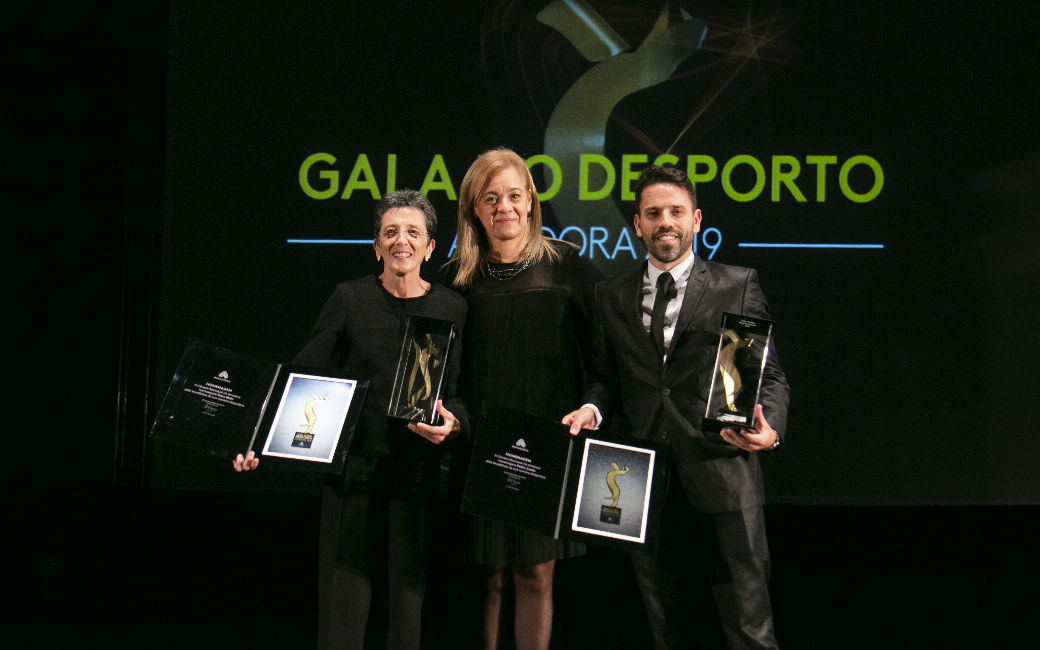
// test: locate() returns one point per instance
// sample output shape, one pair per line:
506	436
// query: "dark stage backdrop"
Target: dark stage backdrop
876	162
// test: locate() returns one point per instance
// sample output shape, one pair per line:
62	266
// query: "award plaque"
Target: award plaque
531	473
420	369
615	492
518	469
225	403
737	378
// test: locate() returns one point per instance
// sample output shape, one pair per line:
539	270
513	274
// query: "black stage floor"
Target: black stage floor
161	569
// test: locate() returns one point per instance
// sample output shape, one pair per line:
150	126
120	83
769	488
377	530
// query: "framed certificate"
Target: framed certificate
518	469
310	418
224	403
531	473
614	484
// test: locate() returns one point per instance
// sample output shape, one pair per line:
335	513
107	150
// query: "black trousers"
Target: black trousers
372	570
707	584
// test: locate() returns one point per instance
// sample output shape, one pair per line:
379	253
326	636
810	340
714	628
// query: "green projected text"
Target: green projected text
743	178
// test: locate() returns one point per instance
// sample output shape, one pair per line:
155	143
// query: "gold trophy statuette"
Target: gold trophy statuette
730	375
423	356
305	438
612	514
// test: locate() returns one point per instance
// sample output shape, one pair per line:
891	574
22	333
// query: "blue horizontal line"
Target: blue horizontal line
783	245
328	241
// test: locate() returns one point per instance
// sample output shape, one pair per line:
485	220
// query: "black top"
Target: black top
529	338
529	347
359	331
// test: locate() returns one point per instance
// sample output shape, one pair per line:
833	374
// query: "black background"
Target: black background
154	182
910	384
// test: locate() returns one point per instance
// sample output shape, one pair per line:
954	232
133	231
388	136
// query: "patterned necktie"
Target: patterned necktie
665	292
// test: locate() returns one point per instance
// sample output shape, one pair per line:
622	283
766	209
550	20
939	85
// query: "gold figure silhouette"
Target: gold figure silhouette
423	356
308	411
730	375
615	491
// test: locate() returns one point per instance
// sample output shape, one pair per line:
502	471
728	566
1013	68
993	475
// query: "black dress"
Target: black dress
390	480
528	347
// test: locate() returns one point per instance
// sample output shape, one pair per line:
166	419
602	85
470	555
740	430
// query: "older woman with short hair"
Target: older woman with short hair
375	528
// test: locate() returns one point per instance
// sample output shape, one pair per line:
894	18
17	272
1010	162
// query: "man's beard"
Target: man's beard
667	253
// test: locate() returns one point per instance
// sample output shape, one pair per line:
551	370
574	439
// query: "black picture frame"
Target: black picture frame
223	402
517	470
529	472
615	492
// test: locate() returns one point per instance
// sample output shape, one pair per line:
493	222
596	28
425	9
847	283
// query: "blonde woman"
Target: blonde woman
528	344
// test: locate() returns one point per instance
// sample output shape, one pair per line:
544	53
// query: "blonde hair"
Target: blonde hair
471	247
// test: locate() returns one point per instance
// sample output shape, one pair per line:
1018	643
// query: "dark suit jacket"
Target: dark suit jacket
665	402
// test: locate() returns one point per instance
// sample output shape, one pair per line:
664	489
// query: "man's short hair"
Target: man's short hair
655	174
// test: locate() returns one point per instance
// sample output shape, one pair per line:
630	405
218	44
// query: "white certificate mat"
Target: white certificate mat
614	486
310	418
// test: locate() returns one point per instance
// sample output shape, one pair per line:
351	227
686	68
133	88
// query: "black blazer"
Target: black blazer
665	402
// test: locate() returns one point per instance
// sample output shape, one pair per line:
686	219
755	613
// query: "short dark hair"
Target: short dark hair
655	174
405	199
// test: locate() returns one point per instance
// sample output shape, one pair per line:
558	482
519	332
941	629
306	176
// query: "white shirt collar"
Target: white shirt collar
679	271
